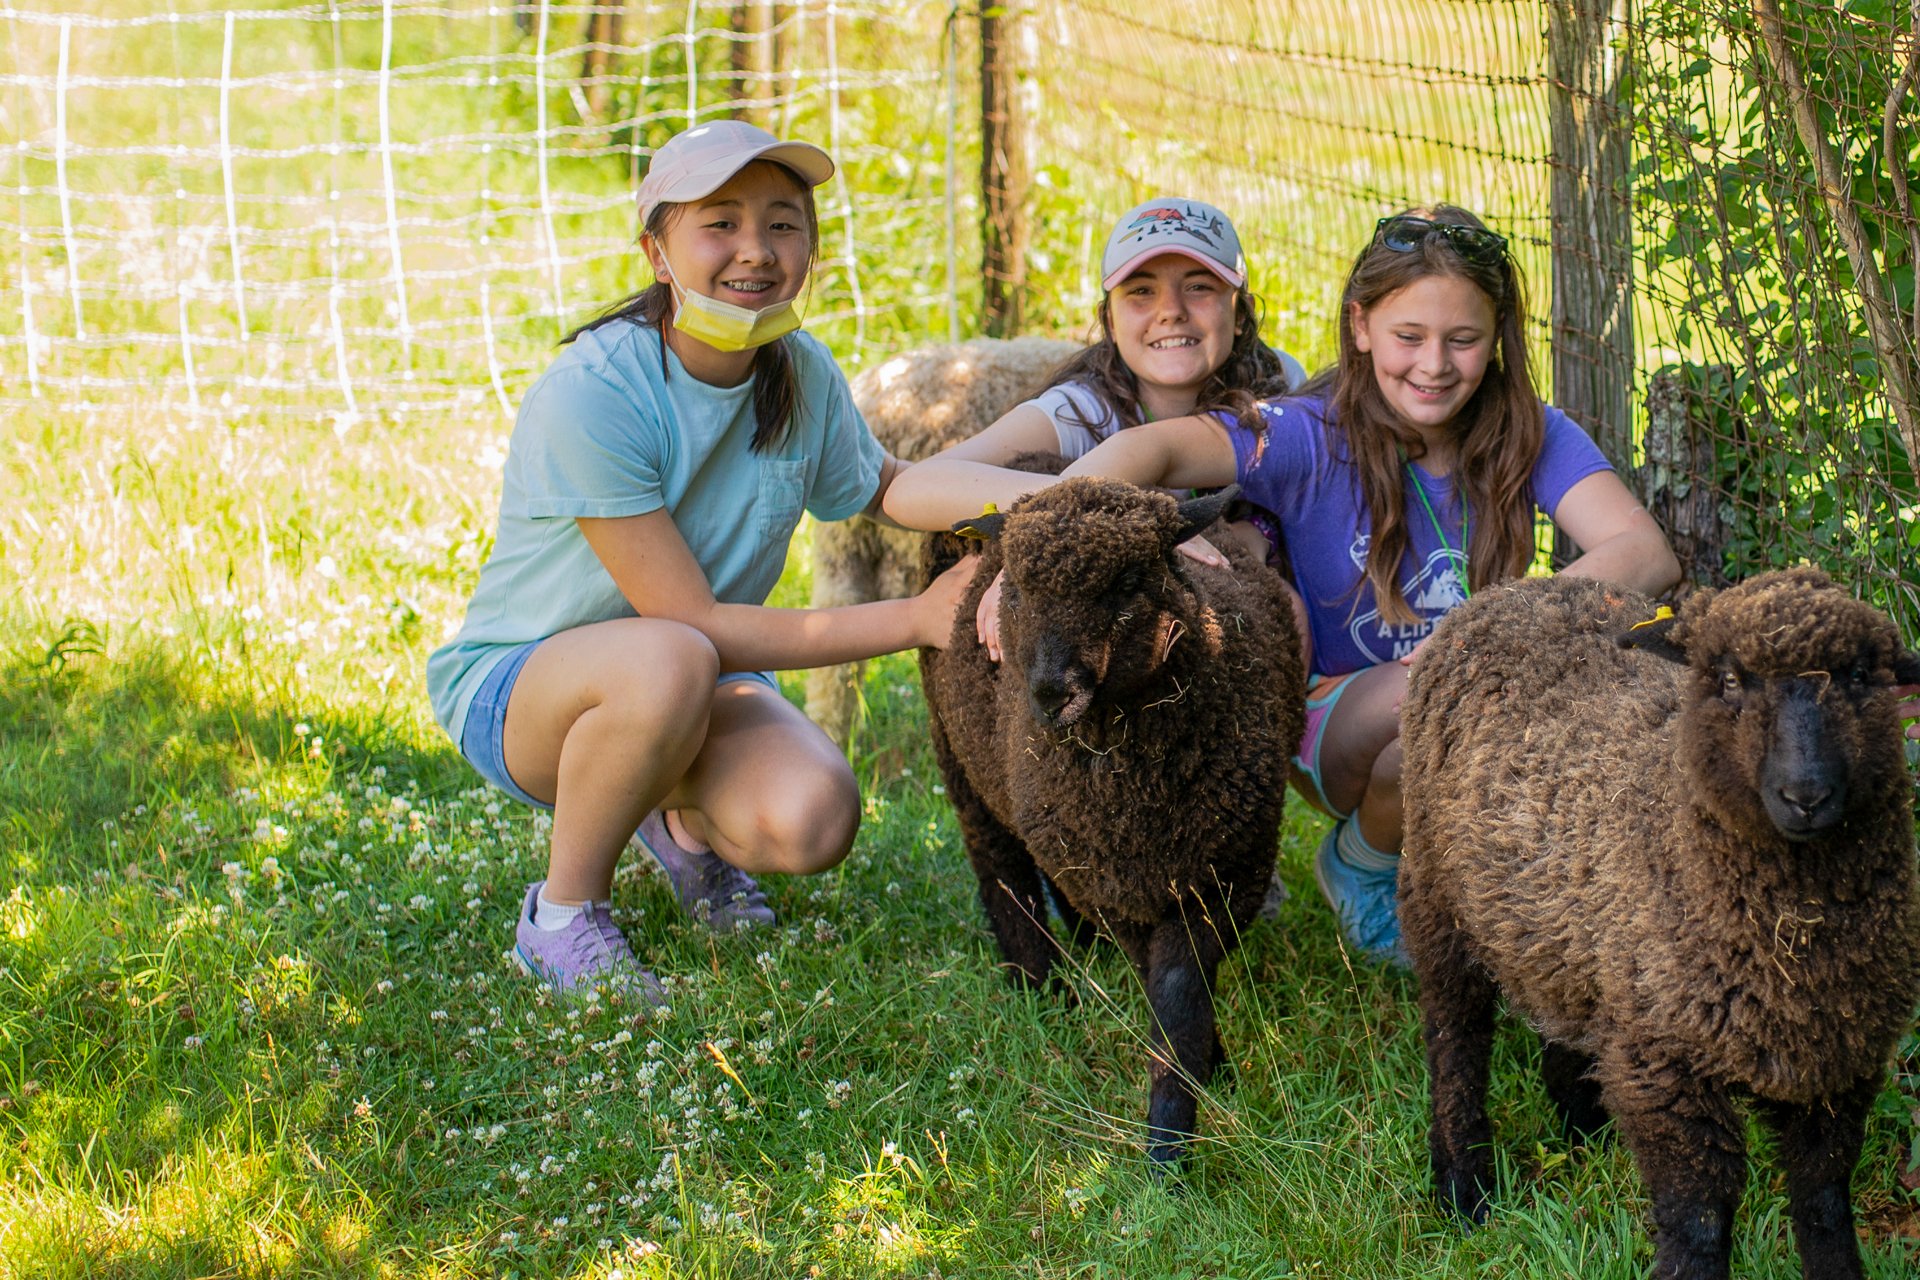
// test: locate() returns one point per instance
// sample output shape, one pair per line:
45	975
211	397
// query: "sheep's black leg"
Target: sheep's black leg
1009	881
1819	1145
1080	930
1456	1016
1010	892
1574	1092
1182	958
1690	1146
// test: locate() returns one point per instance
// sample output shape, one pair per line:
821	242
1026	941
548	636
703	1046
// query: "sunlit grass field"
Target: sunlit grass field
256	1017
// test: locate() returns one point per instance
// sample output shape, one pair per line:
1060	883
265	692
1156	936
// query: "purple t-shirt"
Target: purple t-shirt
1315	498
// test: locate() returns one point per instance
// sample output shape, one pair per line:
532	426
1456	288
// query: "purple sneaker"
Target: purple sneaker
588	952
711	889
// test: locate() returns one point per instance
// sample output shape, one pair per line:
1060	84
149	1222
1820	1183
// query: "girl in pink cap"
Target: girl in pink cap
613	661
1179	334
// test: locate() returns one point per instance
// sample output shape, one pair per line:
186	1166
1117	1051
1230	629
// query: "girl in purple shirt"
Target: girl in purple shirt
1403	478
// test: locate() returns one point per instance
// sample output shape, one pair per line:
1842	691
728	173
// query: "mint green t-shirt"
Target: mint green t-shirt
609	431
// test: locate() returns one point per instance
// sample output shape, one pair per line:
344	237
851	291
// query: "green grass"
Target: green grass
256	1019
255	1016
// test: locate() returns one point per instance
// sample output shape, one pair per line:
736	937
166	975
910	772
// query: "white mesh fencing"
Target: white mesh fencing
348	209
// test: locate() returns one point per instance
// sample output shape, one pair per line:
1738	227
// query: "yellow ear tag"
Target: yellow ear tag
1659	615
990	509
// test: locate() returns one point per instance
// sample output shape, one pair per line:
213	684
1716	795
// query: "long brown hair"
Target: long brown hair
1250	373
776	387
1498	432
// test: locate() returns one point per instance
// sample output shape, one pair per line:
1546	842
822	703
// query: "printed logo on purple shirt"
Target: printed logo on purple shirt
1433	590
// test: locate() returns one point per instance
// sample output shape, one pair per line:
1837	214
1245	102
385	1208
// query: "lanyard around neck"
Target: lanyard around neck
1459	570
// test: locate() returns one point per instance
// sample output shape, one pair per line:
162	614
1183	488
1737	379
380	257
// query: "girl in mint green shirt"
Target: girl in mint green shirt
612	662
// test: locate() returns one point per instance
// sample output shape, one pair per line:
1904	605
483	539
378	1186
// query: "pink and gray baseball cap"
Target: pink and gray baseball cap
700	160
1170	225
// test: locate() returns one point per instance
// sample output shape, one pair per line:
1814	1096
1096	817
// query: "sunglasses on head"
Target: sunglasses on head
1404	233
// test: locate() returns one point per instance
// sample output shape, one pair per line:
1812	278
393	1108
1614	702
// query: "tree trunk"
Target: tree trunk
606	27
753	63
1003	179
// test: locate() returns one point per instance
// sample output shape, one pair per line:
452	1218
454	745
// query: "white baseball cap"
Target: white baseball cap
1172	225
698	162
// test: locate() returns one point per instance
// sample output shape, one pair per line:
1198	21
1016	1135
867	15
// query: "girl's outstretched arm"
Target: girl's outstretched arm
1179	453
1618	540
650	563
957	483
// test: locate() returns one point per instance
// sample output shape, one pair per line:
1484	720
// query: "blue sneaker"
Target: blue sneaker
1364	901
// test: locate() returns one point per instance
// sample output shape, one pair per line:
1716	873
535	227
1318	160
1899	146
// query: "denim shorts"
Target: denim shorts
483	740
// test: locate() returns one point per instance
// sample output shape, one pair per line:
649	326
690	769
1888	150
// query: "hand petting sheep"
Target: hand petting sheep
1686	858
1130	752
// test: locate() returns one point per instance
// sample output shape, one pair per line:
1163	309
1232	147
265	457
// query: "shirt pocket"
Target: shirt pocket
783	490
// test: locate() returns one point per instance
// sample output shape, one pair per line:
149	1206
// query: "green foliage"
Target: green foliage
1743	267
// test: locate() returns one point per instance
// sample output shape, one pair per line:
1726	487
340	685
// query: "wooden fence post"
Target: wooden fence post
1688	481
1003	178
1592	212
606	27
751	53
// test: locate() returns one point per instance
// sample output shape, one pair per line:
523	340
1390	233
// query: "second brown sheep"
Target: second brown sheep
1688	862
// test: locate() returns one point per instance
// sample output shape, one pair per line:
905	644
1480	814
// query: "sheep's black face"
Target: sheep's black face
1792	724
1807	729
1099	642
1090	589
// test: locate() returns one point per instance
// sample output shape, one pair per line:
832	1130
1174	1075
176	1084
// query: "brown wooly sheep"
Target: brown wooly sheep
1685	853
1130	752
917	404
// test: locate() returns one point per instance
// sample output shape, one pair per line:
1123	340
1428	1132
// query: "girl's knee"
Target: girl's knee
672	675
686	657
808	824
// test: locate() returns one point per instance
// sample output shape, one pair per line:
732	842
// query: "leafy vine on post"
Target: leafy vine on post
1898	375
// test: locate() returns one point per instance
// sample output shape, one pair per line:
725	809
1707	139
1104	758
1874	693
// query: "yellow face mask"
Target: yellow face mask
727	327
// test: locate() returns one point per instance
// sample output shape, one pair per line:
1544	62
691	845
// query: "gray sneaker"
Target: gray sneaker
590	951
711	889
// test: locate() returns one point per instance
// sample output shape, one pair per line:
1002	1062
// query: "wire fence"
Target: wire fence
350	212
344	210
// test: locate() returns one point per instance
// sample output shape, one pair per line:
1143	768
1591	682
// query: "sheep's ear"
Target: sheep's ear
987	525
1906	667
1197	513
1656	636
